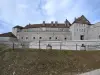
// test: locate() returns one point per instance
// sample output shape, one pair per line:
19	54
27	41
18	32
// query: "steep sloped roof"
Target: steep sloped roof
9	34
82	20
67	23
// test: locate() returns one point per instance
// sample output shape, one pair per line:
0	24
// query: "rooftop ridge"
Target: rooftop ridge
82	20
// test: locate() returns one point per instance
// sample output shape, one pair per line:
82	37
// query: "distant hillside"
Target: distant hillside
47	62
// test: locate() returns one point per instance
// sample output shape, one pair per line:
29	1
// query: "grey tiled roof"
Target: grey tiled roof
59	25
9	34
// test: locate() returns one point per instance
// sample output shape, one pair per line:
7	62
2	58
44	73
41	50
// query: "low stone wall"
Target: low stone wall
10	44
67	45
59	45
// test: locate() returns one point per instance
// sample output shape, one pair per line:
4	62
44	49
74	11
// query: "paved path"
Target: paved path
94	72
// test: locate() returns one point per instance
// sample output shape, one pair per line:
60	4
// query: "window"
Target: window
49	37
40	38
81	37
33	37
65	38
99	36
26	37
82	30
18	31
55	37
22	37
82	45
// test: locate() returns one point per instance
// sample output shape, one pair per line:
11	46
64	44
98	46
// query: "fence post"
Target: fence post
85	47
39	44
88	47
76	46
13	45
60	45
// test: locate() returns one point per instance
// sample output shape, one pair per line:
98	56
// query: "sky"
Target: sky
23	12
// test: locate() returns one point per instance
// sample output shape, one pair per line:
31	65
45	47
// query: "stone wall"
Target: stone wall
67	45
35	36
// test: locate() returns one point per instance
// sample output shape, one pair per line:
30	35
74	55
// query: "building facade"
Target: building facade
80	31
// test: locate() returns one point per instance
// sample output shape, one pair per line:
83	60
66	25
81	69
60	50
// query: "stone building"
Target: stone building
78	30
81	31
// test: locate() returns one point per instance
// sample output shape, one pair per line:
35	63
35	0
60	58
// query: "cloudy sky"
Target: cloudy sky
22	12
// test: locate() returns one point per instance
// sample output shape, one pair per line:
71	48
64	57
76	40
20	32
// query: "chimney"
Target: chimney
43	23
56	23
51	23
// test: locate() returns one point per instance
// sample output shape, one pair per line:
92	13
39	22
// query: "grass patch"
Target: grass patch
47	62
